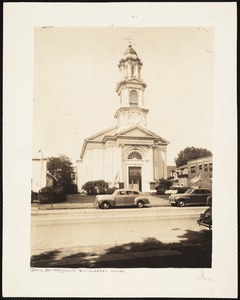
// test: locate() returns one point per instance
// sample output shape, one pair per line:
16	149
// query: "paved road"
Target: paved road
127	237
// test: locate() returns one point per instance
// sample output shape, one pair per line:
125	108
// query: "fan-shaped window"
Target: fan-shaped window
133	98
134	155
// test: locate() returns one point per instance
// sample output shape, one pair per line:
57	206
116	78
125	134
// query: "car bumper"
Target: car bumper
201	223
95	204
172	201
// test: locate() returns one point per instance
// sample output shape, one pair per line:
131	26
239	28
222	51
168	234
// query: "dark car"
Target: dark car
205	218
197	196
34	196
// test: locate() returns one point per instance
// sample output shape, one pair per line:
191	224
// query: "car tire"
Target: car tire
105	205
181	203
140	204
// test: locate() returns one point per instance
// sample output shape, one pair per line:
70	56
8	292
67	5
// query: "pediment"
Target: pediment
98	137
136	131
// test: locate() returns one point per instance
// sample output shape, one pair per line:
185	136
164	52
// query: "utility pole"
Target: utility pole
40	179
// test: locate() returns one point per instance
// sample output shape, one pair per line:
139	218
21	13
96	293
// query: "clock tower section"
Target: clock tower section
131	92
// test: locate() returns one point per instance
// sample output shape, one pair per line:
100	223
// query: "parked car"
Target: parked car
176	190
34	196
205	218
121	197
195	196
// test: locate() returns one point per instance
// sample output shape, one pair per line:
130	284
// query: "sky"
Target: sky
76	73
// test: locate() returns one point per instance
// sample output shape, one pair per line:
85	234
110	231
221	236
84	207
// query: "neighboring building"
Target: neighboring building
200	172
182	175
170	171
197	172
127	155
179	176
41	177
74	175
39	171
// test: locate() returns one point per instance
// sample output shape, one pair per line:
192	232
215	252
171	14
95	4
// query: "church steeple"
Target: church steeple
131	92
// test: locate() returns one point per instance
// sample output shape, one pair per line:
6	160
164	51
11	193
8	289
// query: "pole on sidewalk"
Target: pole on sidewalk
40	181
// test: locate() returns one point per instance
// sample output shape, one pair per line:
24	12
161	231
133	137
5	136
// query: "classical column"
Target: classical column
120	147
122	72
139	72
129	69
151	162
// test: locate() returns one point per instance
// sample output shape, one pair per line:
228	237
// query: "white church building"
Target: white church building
127	155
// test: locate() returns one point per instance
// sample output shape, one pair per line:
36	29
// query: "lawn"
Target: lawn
77	198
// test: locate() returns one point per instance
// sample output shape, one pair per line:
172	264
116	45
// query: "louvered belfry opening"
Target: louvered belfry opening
133	98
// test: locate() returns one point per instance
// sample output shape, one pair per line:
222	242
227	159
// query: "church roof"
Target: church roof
140	132
130	50
134	132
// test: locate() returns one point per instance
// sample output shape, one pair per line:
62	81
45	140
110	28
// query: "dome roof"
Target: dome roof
130	50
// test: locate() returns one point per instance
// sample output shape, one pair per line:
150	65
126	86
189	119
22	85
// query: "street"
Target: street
127	237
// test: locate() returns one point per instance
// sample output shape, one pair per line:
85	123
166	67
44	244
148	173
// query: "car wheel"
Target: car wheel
181	203
105	205
140	204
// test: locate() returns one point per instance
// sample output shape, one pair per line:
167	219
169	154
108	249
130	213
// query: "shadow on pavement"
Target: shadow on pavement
194	251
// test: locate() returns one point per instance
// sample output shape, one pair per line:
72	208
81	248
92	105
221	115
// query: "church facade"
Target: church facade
127	155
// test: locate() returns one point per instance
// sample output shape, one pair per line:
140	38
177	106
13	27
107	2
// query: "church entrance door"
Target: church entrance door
135	178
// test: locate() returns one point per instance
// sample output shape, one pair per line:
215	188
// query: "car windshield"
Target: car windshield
189	191
115	192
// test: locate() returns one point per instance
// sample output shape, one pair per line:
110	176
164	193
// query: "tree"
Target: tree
191	153
61	168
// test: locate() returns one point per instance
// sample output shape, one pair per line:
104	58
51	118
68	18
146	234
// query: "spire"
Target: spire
130	51
130	90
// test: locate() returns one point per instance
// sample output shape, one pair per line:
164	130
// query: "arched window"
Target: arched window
133	98
134	155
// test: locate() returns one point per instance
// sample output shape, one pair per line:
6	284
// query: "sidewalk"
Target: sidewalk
155	201
77	258
150	254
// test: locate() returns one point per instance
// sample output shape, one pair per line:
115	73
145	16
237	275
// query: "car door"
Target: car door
195	197
120	198
206	194
129	200
200	197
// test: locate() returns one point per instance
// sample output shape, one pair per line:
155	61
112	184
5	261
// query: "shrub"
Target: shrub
163	186
160	191
95	187
52	194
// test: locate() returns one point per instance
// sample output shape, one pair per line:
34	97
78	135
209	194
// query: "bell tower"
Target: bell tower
130	90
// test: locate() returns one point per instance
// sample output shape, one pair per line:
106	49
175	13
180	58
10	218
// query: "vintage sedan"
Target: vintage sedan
197	196
121	197
205	218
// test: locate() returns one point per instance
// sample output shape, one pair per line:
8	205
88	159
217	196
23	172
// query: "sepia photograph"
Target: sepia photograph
120	134
103	147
